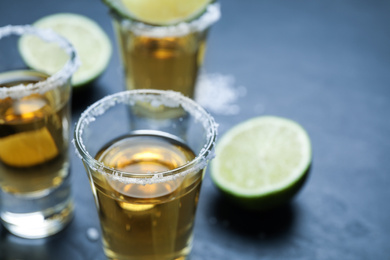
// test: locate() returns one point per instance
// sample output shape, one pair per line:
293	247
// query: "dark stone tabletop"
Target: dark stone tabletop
325	64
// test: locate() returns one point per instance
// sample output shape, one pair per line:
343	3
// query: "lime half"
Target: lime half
159	12
261	163
90	41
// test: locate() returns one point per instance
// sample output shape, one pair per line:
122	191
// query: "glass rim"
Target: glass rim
100	107
211	15
57	79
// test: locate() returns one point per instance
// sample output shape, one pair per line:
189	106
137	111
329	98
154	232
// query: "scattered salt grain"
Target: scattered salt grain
218	93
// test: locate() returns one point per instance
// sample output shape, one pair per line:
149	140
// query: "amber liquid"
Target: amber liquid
34	135
166	63
152	221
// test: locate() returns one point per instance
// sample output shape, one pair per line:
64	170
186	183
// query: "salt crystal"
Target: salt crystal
58	79
170	98
218	93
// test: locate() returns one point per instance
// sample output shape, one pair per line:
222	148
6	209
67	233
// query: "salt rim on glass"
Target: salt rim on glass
169	98
210	16
53	81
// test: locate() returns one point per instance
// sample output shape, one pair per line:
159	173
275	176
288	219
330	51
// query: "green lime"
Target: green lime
90	41
161	12
261	163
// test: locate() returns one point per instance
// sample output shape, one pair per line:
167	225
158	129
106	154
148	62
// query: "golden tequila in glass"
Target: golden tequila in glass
163	57
166	63
145	179
152	221
34	139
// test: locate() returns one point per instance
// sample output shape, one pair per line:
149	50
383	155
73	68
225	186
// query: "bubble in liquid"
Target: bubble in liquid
128	227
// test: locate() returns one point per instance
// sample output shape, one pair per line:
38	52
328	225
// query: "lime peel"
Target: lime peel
90	41
262	162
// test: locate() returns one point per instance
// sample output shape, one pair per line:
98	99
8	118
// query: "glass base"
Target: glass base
38	224
182	255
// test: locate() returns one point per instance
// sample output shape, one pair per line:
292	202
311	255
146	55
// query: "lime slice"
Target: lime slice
90	41
261	163
159	12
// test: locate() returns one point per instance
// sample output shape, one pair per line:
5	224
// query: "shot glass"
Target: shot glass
35	196
145	179
162	57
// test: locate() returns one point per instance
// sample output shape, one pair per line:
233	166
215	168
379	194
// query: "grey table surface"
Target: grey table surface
325	64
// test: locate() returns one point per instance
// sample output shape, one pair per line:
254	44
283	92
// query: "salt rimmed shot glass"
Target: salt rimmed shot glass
35	196
145	179
165	57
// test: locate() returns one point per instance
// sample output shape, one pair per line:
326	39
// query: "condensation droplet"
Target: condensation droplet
92	234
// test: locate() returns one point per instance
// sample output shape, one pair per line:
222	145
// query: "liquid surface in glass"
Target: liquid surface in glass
152	221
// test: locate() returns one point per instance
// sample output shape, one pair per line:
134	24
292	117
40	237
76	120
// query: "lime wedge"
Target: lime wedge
159	12
261	163
28	148
90	41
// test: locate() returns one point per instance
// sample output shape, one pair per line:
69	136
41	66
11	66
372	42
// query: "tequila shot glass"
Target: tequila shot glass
165	57
145	178
35	196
